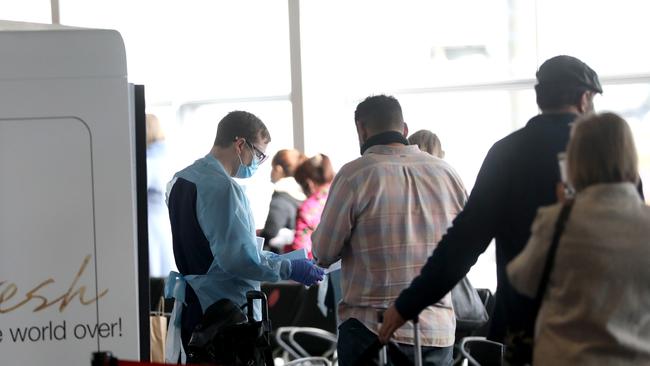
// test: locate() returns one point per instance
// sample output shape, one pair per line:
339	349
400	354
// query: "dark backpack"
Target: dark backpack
226	336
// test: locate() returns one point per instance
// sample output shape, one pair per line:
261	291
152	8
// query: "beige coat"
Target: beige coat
596	310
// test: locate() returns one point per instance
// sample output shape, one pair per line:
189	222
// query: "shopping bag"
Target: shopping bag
158	327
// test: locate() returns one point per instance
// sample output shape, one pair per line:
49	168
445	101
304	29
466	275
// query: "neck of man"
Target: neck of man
562	110
224	155
387	138
375	133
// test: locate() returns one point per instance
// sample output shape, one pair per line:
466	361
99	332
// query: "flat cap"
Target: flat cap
566	71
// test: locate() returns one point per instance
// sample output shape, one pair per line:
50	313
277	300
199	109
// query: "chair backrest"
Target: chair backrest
482	352
291	305
286	338
309	361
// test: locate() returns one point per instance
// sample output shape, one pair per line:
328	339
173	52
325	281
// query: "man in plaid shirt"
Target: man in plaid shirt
385	214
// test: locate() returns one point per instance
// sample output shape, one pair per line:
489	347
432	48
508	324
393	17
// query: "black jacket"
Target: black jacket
519	174
191	250
282	214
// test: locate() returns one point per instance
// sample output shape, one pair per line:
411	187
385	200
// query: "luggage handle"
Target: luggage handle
417	349
417	346
251	296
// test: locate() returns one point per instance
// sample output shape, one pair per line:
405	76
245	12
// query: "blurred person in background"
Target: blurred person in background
161	252
428	142
287	196
596	303
519	174
386	212
314	176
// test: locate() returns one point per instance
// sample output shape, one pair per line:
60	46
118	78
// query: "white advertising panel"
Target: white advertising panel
68	273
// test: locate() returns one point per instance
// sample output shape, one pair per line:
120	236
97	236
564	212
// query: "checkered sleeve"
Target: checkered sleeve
336	224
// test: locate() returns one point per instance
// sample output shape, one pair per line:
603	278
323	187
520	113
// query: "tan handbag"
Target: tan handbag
158	327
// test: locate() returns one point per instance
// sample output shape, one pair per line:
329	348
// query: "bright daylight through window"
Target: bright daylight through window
462	69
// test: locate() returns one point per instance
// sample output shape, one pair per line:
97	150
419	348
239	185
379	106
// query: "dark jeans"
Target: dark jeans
356	341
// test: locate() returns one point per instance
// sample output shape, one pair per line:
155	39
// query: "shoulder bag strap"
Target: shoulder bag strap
550	257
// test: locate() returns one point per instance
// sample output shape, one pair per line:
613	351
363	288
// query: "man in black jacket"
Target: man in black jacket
520	173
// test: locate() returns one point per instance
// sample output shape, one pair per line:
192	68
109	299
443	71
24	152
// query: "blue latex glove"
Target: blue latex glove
305	272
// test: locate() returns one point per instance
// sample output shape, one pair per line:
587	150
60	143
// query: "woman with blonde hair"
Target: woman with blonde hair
588	259
427	141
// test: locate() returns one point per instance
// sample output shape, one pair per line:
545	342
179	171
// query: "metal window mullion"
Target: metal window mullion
54	6
296	76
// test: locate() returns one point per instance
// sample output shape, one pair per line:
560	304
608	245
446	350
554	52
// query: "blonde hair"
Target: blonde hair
601	150
154	129
427	141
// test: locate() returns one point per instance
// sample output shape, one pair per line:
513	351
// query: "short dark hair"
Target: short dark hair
553	98
379	113
240	124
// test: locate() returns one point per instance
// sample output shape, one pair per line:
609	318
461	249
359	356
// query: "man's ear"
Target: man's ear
362	132
239	144
585	102
406	130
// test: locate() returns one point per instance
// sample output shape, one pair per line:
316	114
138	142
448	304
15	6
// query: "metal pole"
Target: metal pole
296	76
417	349
383	356
383	353
56	18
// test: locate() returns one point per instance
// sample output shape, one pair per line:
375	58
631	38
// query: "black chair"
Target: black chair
488	301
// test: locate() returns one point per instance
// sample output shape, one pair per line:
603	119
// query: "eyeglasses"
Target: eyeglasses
260	155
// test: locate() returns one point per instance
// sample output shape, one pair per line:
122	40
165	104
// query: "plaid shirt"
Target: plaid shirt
385	214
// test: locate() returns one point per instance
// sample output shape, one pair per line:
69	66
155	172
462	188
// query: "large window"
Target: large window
608	35
36	11
196	50
194	136
200	60
464	69
402	48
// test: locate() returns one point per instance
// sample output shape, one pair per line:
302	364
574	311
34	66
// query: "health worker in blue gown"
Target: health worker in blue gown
215	247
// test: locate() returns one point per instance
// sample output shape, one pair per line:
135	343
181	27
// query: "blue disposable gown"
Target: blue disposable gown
225	218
